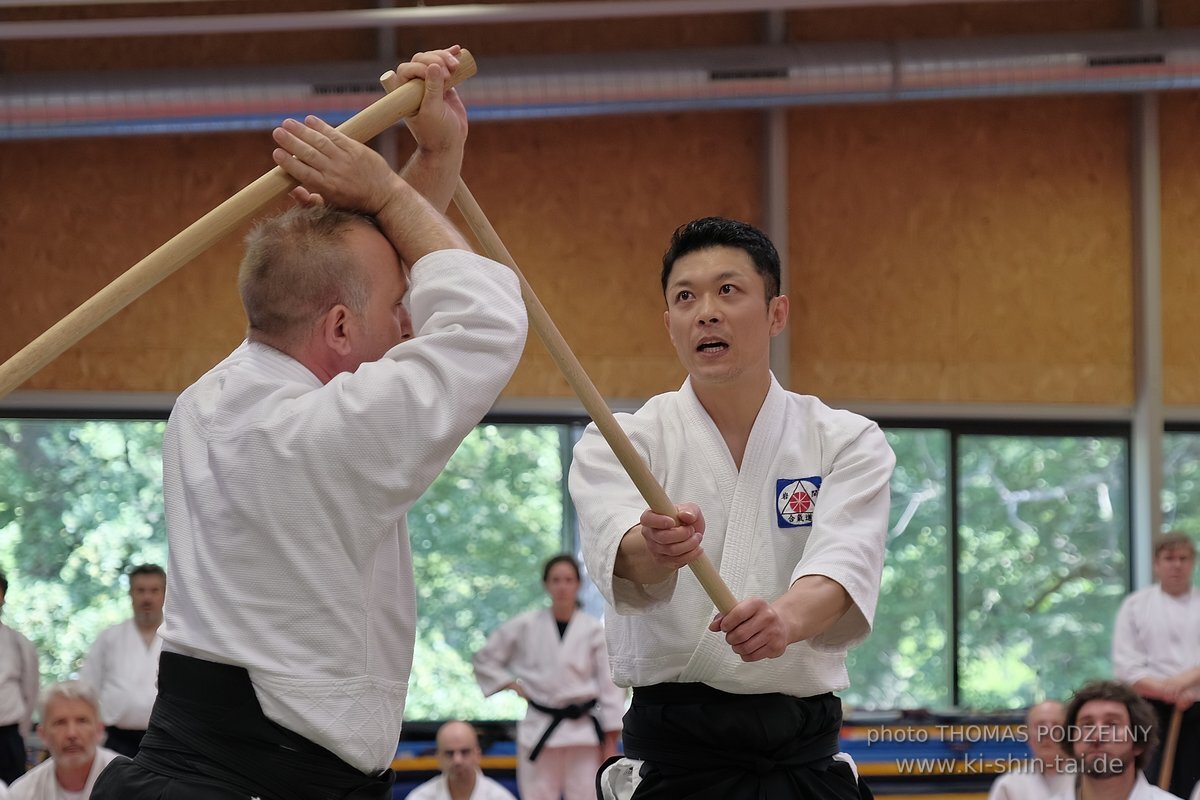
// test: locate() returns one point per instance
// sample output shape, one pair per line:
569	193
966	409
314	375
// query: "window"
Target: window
479	537
1043	542
80	502
905	663
1025	592
1007	552
1181	481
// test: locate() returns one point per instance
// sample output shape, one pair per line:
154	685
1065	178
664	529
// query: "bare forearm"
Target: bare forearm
1189	678
634	562
811	606
414	227
434	174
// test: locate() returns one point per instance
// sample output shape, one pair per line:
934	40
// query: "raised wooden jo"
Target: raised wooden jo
653	493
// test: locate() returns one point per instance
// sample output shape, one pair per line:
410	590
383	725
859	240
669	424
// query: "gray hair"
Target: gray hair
67	690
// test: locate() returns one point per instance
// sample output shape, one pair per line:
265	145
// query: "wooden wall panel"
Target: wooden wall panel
953	251
78	213
587	208
962	251
1179	128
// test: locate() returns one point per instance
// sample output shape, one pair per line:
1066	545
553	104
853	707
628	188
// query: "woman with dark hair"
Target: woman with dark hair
556	659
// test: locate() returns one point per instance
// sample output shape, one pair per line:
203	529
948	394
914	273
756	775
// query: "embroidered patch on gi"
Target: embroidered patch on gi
795	500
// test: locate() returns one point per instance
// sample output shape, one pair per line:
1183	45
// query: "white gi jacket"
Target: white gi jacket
40	782
1155	635
4	795
285	504
19	680
811	498
124	673
1030	785
1142	790
485	789
555	672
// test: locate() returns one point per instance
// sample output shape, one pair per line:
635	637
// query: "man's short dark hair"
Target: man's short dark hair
1172	539
3	583
1143	722
706	232
147	569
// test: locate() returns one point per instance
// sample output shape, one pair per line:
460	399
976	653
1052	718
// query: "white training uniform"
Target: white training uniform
40	783
123	670
1142	790
660	633
19	680
285	502
1156	635
1030	785
555	673
437	789
4	795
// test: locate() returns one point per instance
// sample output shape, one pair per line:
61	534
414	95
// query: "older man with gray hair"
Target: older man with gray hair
71	729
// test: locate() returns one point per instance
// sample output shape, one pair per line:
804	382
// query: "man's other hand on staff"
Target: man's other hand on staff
756	629
331	167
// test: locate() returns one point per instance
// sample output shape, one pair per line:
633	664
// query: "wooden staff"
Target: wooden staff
201	235
1168	759
653	493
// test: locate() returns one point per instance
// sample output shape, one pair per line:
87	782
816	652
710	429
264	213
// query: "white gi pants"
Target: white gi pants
568	772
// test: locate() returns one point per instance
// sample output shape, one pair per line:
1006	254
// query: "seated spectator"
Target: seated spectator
71	729
458	759
1111	734
1047	773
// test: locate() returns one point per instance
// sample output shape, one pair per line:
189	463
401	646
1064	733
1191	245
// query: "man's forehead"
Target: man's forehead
1102	710
714	263
69	707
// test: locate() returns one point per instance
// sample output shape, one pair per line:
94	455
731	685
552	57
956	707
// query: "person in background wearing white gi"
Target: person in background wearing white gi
790	499
1046	775
122	665
557	661
19	681
1110	732
289	467
458	759
70	727
1156	649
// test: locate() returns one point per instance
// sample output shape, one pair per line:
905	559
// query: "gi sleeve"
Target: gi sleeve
608	505
30	681
1130	649
92	671
611	697
849	533
492	661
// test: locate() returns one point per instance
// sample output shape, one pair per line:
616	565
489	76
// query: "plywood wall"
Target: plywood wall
941	251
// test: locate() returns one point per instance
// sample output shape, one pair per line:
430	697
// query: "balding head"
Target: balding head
1044	729
458	752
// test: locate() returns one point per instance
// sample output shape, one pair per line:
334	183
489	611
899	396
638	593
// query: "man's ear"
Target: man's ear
337	329
777	311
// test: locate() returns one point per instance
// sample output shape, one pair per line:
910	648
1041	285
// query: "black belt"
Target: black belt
573	711
796	731
207	721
